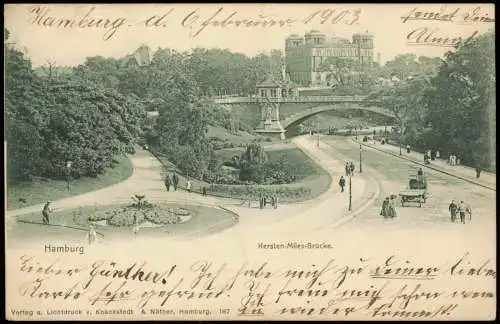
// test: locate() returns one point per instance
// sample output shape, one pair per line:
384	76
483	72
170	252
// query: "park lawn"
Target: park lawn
308	173
42	190
306	168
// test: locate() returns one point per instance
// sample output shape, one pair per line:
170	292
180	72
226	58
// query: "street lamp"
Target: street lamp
356	129
360	159
68	172
350	192
400	140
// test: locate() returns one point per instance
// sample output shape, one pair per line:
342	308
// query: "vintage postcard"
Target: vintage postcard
250	161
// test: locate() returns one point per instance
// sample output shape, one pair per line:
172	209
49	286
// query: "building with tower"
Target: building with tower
304	55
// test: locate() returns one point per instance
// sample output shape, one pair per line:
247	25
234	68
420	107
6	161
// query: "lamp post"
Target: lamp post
360	159
400	140
317	132
68	173
350	192
356	129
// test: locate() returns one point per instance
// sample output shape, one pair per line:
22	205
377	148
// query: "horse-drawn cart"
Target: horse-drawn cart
417	190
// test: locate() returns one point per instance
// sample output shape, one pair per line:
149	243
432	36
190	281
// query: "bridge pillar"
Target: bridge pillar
269	124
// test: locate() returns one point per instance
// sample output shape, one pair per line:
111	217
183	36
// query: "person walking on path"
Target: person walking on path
175	181
408	149
478	172
385	208
167	182
342	183
438	155
188	186
461	210
347	169
45	213
92	235
204	191
392	207
453	210
352	168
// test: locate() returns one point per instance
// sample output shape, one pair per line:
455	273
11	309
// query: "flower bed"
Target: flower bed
131	215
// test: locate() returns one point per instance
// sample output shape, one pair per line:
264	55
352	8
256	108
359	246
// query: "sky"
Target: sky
121	28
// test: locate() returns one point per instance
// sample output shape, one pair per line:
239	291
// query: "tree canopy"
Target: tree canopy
447	105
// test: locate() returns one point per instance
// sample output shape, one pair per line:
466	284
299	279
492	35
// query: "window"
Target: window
273	93
262	92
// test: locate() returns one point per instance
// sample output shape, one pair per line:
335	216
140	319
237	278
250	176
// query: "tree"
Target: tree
252	162
464	92
405	101
340	70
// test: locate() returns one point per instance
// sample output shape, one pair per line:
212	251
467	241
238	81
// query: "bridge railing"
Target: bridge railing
290	99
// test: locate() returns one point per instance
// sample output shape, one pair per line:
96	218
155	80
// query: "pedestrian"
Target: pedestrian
392	207
188	186
92	235
167	182
408	148
342	183
461	210
261	201
347	169
352	168
204	191
45	213
438	155
457	160
135	229
385	208
420	175
468	210
478	172
449	159
453	210
175	181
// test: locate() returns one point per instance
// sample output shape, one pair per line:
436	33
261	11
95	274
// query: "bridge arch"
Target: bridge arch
299	117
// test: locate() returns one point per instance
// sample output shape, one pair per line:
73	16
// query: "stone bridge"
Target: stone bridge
299	117
278	114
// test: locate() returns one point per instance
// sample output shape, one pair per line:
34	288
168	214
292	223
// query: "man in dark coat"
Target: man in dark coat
167	182
385	208
453	210
175	180
45	213
342	183
352	168
478	172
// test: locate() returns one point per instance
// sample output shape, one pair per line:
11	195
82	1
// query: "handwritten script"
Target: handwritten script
194	21
433	36
391	287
